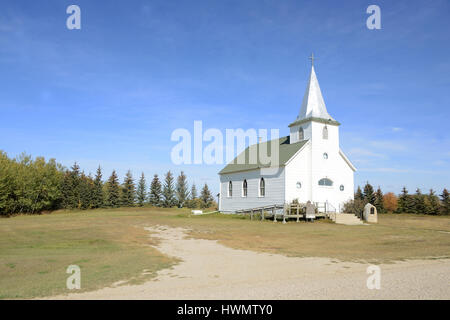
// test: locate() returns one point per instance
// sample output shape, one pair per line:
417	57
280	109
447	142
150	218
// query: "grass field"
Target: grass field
112	245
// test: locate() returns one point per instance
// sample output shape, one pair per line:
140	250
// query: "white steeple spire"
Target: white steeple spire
313	105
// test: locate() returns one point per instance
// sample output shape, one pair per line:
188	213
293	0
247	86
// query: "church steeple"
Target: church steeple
313	105
313	117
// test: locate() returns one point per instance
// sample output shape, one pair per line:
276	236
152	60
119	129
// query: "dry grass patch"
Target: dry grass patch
35	252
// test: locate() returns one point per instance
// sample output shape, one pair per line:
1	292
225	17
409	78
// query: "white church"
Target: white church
311	165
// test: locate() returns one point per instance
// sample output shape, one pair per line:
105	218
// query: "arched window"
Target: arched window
325	133
230	189
301	135
262	188
325	182
244	188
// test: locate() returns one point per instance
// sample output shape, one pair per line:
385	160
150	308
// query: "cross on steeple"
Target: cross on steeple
312	59
313	105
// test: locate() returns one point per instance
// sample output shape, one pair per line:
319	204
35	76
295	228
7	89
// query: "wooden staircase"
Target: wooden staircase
345	218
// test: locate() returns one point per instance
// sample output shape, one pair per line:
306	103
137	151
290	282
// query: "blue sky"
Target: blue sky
113	92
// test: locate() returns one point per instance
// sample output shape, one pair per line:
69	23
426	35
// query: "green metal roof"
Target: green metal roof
286	152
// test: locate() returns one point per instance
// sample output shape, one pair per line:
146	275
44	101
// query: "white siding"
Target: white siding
334	168
274	190
307	127
309	166
298	170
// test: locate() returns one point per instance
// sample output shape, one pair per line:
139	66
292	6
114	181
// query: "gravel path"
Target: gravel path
210	270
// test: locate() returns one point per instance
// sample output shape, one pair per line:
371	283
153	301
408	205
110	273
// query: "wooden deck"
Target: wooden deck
282	212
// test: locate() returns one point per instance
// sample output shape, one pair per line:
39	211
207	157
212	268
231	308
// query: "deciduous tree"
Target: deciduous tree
390	202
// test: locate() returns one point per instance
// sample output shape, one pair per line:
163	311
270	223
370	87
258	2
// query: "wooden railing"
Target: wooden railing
273	211
266	211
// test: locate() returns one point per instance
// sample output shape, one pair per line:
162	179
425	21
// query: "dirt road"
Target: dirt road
210	270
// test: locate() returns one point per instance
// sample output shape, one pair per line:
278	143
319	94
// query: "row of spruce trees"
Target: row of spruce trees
417	203
84	192
33	185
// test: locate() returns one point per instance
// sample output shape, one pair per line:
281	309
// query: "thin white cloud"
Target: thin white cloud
389	145
440	163
398	170
391	170
360	152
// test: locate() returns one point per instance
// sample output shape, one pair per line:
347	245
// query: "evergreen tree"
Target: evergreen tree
379	202
128	194
99	197
113	188
206	197
193	192
402	202
431	203
71	188
445	202
141	191
418	200
168	192
405	202
359	195
76	185
155	196
194	201
86	192
182	193
66	191
369	196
